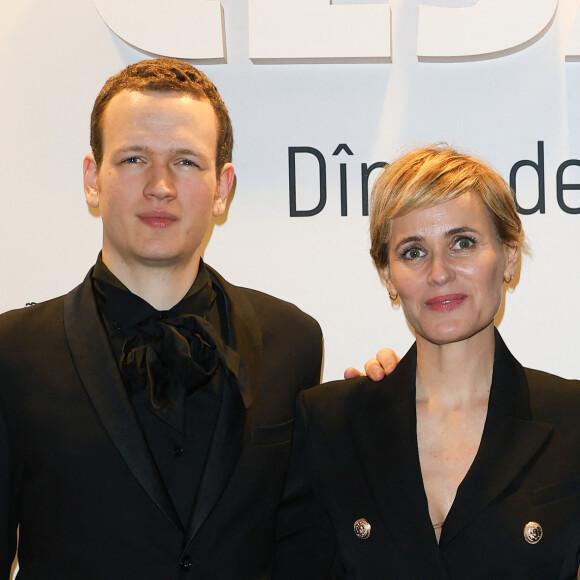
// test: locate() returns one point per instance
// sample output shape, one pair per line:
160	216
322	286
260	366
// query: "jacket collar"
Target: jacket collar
511	439
245	334
235	417
385	436
95	363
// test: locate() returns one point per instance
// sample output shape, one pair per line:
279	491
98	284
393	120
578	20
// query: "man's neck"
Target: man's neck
162	286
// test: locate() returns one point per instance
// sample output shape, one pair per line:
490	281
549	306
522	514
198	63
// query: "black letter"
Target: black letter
560	187
292	181
539	167
365	173
343	197
343	207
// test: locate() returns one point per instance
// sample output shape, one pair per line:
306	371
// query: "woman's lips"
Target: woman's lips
157	219
445	303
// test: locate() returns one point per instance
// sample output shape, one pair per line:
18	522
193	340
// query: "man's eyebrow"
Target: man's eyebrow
185	151
134	149
147	149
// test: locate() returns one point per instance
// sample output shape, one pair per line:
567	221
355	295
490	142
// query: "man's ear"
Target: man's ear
224	186
90	176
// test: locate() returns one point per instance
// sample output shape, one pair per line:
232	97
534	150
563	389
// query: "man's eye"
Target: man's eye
132	160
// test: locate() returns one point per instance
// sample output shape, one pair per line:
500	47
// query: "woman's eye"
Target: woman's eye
464	243
413	253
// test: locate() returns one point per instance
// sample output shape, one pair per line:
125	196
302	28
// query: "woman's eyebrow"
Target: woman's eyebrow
460	230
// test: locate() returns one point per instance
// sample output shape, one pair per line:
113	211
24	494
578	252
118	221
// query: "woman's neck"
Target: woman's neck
457	373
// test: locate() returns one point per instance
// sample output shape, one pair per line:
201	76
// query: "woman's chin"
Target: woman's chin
452	334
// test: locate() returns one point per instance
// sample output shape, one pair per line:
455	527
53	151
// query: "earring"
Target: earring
393	297
507	279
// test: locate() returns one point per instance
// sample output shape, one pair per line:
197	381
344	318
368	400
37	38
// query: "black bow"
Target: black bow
170	357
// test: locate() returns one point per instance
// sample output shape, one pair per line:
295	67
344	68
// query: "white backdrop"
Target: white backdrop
55	56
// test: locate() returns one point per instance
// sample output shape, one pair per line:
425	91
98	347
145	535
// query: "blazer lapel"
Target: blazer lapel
98	372
245	334
390	458
236	412
226	446
510	440
385	436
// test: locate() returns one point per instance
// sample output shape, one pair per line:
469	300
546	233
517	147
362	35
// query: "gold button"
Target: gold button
533	532
362	529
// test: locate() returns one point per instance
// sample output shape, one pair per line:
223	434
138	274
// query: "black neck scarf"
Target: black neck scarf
167	354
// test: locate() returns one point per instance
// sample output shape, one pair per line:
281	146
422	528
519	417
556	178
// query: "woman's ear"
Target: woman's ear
389	283
512	256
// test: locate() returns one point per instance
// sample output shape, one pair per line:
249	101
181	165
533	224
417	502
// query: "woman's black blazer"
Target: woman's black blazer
355	458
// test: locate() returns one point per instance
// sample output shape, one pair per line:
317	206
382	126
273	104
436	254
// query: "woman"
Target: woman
461	464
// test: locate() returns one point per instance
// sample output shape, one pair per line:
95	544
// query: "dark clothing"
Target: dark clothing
180	455
78	474
355	456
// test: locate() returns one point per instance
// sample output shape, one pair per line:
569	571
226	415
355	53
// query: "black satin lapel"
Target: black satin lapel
225	450
507	446
385	437
234	421
246	335
97	369
510	441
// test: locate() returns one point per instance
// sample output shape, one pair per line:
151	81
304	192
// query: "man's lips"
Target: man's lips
157	219
446	302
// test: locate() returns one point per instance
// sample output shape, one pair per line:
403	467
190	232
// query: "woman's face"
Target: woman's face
448	265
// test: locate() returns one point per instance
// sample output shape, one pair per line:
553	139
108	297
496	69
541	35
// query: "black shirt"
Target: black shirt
180	456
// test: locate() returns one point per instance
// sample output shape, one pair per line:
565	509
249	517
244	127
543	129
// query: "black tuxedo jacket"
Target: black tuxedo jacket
75	470
355	456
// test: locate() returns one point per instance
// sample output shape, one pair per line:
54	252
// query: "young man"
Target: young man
144	422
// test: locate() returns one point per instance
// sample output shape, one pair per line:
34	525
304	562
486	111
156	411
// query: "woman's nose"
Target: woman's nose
441	269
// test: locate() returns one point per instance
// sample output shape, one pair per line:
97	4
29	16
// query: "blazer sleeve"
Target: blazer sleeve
305	541
8	521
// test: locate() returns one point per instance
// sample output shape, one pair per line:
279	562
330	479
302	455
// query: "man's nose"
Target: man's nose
160	183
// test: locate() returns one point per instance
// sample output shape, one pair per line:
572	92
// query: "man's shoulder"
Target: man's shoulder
268	308
25	332
40	319
271	304
31	315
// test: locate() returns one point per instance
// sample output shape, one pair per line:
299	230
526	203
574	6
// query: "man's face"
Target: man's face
157	186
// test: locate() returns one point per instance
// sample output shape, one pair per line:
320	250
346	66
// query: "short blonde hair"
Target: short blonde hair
432	175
